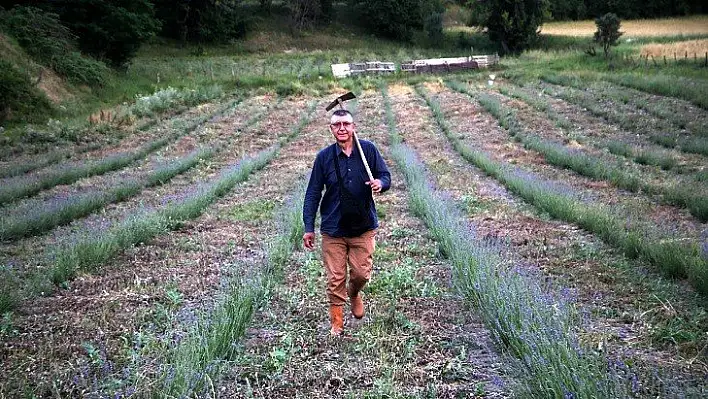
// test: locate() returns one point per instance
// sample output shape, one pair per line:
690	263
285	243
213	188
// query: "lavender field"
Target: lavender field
543	237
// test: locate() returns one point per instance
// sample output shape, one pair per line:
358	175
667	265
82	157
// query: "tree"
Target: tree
112	30
512	24
398	19
607	33
202	20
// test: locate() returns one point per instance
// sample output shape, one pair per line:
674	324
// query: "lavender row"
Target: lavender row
67	174
533	323
90	253
674	258
64	210
690	197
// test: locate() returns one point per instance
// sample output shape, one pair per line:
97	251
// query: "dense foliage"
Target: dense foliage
50	43
19	98
202	20
111	30
512	24
626	9
399	19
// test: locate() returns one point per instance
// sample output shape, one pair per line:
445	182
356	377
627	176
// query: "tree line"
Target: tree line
113	30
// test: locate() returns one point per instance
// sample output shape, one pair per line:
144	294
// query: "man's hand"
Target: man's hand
308	240
375	185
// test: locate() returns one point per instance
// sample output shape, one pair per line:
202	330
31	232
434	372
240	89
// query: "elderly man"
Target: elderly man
348	213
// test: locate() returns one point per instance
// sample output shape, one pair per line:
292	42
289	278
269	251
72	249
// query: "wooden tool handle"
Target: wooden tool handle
363	158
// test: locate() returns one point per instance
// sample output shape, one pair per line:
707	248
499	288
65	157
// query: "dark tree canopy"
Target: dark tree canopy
202	20
512	24
398	19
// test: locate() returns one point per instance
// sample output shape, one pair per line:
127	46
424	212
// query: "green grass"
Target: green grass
674	258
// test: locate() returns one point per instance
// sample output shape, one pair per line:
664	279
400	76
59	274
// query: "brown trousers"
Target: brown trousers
336	253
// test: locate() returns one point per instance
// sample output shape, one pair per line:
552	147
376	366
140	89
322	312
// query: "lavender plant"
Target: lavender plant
92	252
534	324
690	197
676	259
59	211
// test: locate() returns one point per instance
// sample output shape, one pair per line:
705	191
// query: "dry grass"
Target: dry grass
694	25
678	49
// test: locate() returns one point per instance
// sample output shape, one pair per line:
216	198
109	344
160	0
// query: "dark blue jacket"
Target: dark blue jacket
354	178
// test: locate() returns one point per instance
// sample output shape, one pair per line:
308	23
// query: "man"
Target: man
345	239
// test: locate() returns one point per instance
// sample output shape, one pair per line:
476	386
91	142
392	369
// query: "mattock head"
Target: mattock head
340	101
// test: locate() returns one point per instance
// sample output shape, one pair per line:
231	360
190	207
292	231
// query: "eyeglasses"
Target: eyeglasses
339	125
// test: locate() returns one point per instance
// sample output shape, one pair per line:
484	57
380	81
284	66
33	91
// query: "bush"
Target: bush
110	29
512	24
607	32
50	43
20	101
202	21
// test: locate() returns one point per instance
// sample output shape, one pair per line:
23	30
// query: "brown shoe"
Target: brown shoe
336	319
357	306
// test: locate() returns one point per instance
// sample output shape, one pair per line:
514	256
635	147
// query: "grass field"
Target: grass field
686	26
545	235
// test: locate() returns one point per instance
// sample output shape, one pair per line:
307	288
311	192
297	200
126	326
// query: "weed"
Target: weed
254	211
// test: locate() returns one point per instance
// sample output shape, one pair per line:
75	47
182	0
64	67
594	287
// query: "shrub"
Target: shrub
110	30
202	21
512	24
20	101
50	43
607	32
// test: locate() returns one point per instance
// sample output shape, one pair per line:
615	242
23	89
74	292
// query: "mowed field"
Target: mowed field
544	236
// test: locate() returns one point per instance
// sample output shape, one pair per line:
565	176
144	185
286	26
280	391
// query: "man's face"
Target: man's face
342	127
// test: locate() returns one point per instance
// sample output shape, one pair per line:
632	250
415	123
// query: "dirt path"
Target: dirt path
621	298
129	296
417	339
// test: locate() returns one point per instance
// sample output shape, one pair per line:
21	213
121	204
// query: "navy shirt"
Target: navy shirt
354	178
